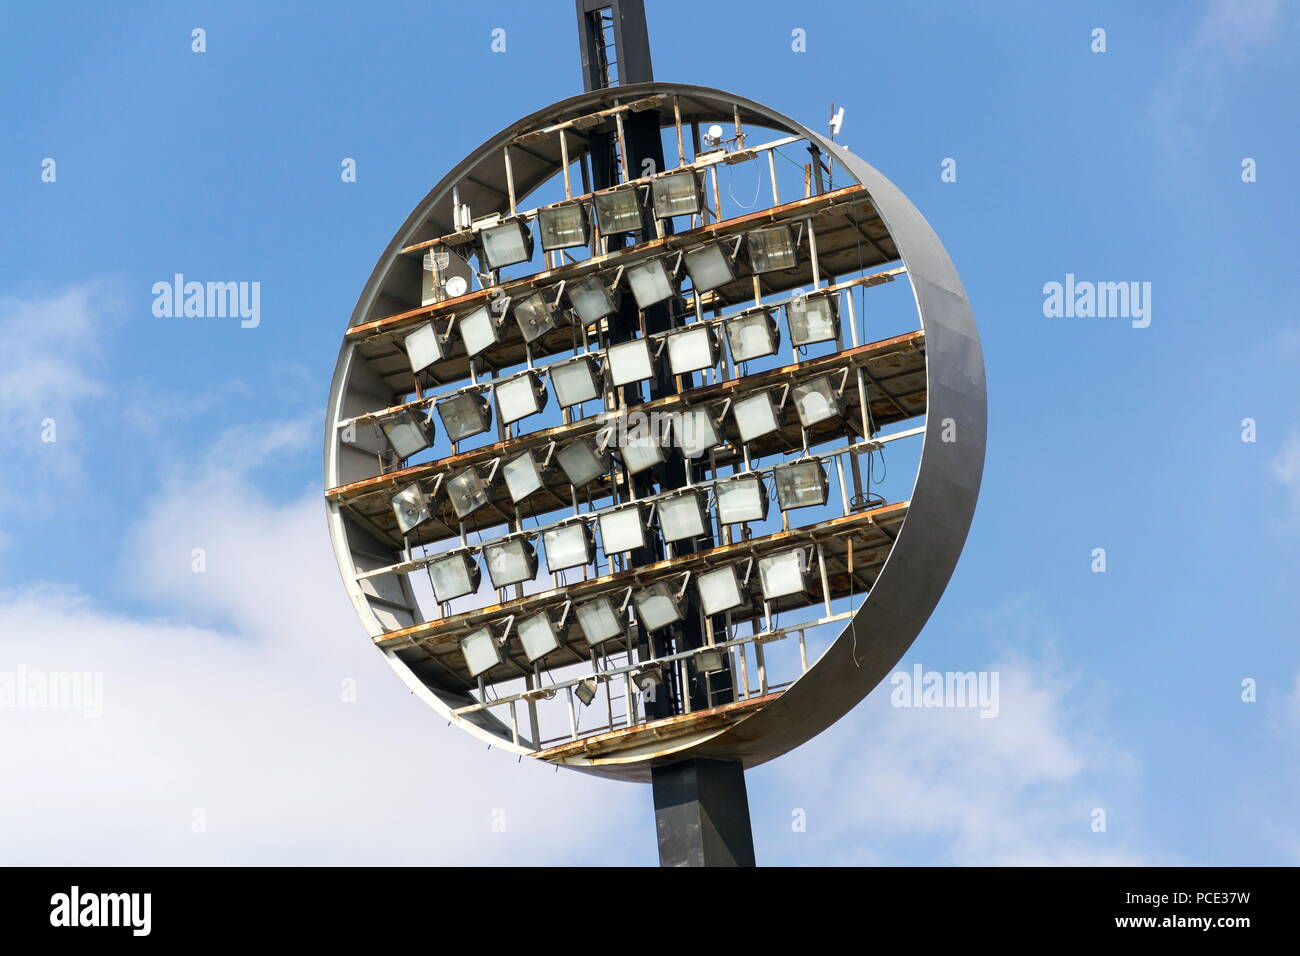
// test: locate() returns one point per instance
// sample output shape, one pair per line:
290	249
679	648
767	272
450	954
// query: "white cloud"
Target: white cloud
243	718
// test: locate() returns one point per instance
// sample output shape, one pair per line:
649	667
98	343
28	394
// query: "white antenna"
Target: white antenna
837	120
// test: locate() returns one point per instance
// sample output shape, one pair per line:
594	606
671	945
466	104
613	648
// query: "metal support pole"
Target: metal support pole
702	814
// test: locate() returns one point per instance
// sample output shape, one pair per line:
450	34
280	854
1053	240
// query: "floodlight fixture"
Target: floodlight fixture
569	544
619	210
467	492
520	396
783	574
721	589
741	498
423	347
465	414
695	431
599	621
585	691
581	465
408	432
752	334
692	348
813	318
622	528
647	677
564	226
630	361
816	400
772	249
481	650
658	606
576	380
651	282
709	267
510	561
506	242
410	507
538	635
677	194
683	516
591	298
756	415
454	575
710	659
479	329
643	445
522	475
801	484
535	316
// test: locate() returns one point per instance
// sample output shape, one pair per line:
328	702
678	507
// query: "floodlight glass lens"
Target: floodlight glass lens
406	433
650	283
535	316
467	492
465	415
782	574
741	499
519	397
772	249
590	299
538	636
567	546
816	400
720	590
801	484
656	607
478	330
695	432
629	362
709	267
453	577
812	319
563	227
410	508
507	244
691	349
598	621
522	476
580	463
676	194
682	517
643	452
622	530
756	416
752	336
574	381
423	347
618	211
510	562
481	651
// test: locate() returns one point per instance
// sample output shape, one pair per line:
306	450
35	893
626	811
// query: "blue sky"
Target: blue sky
1121	690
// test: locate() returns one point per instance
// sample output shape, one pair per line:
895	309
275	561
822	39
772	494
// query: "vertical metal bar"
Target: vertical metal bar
510	179
564	158
622	146
771	168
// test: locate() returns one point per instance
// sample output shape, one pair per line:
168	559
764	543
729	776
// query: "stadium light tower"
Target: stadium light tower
604	452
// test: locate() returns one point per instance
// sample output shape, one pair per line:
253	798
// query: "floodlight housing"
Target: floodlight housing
657	606
591	298
709	267
465	414
408	432
816	400
454	575
576	380
423	347
721	589
756	415
753	334
692	348
619	210
481	651
742	498
783	574
629	362
599	621
695	431
522	476
622	528
580	464
564	226
772	249
710	659
801	484
479	329
813	318
538	635
651	282
677	194
467	492
506	242
569	544
510	561
682	516
410	508
535	316
585	691
520	396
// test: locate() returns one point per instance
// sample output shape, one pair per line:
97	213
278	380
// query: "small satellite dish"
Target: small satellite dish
456	286
715	133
